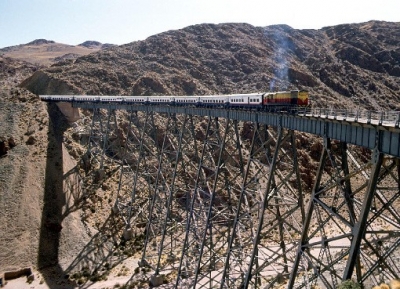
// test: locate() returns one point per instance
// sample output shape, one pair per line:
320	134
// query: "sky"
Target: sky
123	21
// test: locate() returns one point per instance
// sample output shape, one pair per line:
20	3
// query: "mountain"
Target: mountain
47	52
96	45
342	66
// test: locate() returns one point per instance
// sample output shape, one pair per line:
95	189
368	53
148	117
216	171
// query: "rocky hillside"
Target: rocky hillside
47	52
340	65
32	165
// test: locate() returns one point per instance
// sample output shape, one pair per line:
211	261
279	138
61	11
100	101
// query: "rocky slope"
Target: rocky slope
32	165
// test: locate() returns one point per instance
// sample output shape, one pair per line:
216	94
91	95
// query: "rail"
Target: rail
355	115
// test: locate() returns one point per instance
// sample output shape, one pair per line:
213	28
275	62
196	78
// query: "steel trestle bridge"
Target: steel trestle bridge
225	198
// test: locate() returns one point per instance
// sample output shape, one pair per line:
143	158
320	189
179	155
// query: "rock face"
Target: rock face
70	113
6	144
340	65
95	45
40	42
91	43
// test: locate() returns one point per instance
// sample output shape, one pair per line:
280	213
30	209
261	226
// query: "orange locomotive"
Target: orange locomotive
286	98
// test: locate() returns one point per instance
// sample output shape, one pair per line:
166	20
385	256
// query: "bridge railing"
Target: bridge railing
357	115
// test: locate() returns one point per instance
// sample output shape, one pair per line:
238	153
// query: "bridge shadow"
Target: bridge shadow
53	201
63	196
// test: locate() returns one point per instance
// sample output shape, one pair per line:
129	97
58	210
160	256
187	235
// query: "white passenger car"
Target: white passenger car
111	98
86	98
136	99
214	100
161	99
186	100
245	100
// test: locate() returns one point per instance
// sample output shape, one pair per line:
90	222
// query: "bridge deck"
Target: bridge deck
360	131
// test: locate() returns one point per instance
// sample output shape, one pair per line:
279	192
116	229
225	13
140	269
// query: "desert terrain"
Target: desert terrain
49	225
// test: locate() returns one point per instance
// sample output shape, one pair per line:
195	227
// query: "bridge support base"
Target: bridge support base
156	280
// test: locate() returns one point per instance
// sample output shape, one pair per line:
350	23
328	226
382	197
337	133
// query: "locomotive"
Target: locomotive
266	100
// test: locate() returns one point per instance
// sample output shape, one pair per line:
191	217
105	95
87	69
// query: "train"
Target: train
266	100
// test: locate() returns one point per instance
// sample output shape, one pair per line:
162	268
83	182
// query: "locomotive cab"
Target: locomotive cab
303	98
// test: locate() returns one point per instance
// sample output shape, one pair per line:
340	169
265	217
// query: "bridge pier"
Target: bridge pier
341	226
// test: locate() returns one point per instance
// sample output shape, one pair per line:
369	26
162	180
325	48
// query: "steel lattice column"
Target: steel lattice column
97	163
137	174
345	223
277	237
104	122
196	245
280	216
165	229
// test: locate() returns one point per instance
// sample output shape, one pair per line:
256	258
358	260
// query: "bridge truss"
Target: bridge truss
221	203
